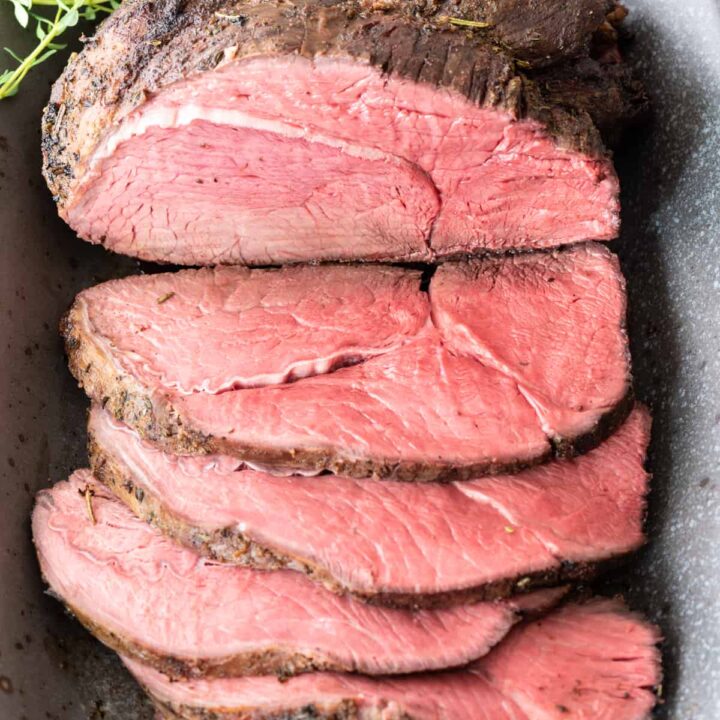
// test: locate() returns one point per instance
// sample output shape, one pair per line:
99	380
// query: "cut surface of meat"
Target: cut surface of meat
266	197
208	331
593	661
147	597
554	323
200	362
419	413
392	543
327	131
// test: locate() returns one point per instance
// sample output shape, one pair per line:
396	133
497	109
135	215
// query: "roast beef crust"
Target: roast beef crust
152	415
229	545
345	710
608	92
145	46
272	661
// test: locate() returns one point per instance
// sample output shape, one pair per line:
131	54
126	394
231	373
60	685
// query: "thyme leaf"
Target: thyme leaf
54	18
468	23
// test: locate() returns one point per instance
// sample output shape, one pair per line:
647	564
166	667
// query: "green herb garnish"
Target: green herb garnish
53	20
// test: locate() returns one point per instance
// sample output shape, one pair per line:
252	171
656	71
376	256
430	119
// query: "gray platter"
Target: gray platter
670	249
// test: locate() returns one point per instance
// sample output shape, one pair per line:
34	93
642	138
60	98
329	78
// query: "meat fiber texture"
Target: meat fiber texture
156	601
280	132
392	543
422	388
592	661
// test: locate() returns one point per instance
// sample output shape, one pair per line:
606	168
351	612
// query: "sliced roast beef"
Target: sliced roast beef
198	362
551	322
593	661
152	599
209	331
278	132
392	543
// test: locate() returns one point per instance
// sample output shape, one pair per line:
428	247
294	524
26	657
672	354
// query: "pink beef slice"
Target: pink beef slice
200	361
209	331
390	542
592	661
155	600
419	413
325	131
555	323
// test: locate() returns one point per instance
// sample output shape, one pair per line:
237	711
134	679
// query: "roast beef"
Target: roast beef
274	132
414	402
391	543
548	321
152	599
593	661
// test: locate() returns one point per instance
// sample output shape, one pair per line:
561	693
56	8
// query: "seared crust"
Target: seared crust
538	33
229	545
608	92
345	710
273	661
603	428
146	46
154	418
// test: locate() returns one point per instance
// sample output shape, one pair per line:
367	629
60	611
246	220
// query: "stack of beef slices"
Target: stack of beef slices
353	491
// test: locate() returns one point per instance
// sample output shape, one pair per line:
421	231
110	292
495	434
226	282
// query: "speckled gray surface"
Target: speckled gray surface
670	249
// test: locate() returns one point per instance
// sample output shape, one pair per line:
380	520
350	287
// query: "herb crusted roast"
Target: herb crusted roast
593	661
389	380
400	544
268	132
152	599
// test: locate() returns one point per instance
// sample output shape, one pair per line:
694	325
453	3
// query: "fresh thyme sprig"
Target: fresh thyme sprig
57	16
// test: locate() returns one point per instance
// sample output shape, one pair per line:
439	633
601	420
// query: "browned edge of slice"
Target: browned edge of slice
277	661
229	545
343	710
121	395
603	428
